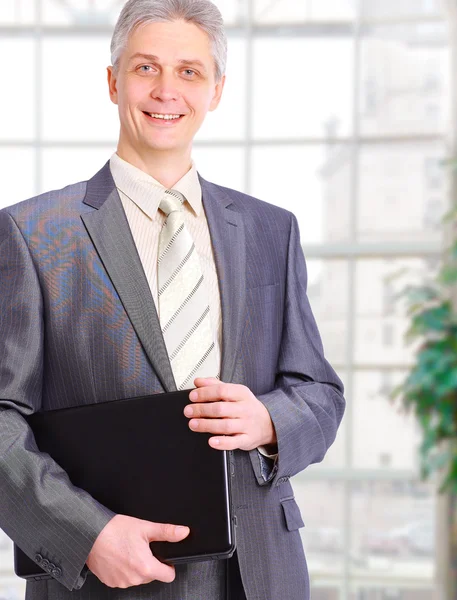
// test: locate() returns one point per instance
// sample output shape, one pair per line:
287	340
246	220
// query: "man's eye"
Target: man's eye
145	68
189	72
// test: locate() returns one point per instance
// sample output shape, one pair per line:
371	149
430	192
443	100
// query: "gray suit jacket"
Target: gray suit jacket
78	325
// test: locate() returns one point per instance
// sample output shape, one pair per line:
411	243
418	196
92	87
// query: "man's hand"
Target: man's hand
121	556
232	413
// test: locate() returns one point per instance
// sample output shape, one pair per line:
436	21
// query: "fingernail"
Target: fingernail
216	441
193	424
193	395
188	411
179	529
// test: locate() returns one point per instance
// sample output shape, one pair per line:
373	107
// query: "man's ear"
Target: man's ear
217	94
112	84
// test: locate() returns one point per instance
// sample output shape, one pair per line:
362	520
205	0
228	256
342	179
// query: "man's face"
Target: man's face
166	70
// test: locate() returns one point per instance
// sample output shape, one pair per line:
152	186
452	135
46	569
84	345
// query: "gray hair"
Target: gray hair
202	13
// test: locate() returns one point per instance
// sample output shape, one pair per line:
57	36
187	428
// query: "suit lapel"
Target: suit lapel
110	233
227	236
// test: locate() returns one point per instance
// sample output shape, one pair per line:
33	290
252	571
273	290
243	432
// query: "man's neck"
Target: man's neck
163	167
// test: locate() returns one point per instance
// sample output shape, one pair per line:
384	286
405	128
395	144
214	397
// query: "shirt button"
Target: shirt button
38	558
56	572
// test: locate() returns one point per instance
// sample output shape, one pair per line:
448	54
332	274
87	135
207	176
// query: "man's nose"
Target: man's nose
166	87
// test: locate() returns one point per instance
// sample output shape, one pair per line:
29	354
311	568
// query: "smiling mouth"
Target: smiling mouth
163	117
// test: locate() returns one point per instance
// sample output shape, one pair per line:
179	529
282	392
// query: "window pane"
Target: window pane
336	174
63	166
228	121
402	192
381	304
75	91
17	11
338	10
326	592
18	99
294	177
321	504
404	81
294	94
88	12
224	166
328	290
392	592
290	11
233	11
373	9
18	175
287	11
393	540
383	435
81	12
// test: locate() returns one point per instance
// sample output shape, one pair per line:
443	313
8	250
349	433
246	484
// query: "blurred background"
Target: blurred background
349	103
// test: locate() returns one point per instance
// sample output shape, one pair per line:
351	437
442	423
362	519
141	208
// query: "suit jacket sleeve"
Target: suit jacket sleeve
307	403
40	510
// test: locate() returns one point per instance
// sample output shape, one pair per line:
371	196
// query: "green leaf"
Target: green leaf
448	274
435	319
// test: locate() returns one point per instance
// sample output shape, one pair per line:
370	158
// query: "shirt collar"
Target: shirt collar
146	192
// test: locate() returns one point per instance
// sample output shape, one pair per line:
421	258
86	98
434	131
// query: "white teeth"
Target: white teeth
166	117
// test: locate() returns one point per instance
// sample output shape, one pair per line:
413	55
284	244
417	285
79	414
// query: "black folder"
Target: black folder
138	457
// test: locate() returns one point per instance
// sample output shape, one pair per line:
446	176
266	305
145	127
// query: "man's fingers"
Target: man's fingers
231	442
163	572
214	410
229	392
218	426
165	532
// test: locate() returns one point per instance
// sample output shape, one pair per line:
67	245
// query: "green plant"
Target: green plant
430	389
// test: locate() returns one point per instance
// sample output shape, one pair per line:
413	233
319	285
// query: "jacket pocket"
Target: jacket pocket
291	514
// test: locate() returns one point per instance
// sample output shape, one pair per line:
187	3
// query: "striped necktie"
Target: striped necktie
183	301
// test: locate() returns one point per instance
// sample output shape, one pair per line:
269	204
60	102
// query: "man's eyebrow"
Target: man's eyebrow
154	58
150	57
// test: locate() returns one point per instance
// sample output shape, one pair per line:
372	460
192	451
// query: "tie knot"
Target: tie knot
172	201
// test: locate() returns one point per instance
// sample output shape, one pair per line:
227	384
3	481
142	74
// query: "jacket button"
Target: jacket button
38	558
56	572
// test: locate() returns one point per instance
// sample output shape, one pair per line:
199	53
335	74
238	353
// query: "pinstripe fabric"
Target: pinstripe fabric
78	325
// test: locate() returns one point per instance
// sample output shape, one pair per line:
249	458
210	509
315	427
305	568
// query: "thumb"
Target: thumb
165	532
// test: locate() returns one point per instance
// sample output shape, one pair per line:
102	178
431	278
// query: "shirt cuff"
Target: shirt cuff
264	452
268	465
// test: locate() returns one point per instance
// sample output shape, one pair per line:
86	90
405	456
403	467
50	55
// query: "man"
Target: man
86	316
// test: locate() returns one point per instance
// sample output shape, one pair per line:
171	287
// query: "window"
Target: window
370	98
433	213
434	173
